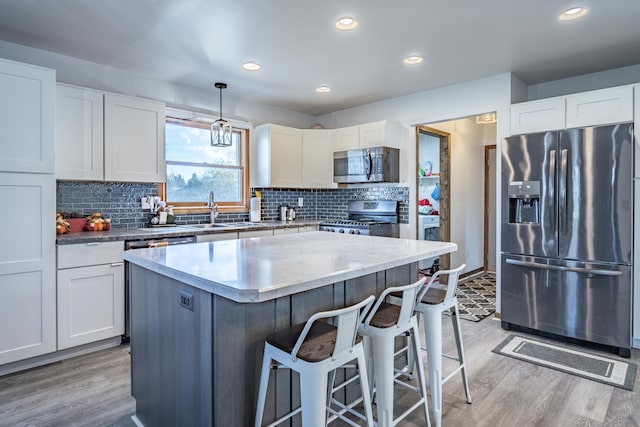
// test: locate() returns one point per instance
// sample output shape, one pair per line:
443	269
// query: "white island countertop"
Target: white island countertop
264	268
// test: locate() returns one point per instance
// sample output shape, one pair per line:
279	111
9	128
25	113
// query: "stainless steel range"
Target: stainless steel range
367	217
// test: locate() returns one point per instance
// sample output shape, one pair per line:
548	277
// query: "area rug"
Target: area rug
609	371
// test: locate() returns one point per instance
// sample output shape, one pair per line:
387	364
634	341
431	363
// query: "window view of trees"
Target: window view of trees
194	167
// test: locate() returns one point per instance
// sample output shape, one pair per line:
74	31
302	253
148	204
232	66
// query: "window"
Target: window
194	168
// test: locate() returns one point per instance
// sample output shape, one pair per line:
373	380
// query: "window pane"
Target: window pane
193	183
192	144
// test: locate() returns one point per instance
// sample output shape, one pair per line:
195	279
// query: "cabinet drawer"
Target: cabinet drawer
83	254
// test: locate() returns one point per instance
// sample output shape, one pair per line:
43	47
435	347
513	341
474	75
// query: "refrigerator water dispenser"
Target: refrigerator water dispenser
524	202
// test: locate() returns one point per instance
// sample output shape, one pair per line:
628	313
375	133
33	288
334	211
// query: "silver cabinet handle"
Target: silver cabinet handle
117	264
563	268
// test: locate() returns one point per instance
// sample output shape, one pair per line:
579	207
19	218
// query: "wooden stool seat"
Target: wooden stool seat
386	316
317	346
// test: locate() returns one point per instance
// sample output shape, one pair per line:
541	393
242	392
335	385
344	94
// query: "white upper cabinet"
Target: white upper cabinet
600	107
133	139
379	134
317	158
538	116
27	111
368	135
276	157
79	133
346	138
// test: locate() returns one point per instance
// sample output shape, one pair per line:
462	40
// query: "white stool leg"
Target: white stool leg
458	335
433	333
313	396
264	384
382	346
417	356
364	387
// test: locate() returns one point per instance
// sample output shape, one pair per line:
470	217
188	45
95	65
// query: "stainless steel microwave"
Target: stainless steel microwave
377	164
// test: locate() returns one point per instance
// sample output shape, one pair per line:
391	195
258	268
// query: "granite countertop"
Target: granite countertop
263	268
116	234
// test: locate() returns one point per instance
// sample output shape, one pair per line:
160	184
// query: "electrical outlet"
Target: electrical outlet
186	300
300	202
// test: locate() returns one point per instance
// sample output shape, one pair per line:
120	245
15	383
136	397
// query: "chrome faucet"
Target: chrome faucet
214	208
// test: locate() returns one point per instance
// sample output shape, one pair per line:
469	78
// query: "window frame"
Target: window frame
196	207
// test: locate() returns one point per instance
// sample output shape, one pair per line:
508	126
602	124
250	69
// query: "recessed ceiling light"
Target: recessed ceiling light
251	66
346	23
413	59
573	13
323	89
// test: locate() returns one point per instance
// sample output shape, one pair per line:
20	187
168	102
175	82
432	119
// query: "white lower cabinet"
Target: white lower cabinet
27	267
90	297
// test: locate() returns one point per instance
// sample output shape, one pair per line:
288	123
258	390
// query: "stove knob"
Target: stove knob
352	231
341	231
357	232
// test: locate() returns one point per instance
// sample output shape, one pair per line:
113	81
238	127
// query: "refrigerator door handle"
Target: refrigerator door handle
552	188
595	271
562	192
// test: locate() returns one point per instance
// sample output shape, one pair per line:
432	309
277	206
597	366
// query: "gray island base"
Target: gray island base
200	313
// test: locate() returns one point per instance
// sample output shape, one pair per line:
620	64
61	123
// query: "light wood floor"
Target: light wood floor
94	390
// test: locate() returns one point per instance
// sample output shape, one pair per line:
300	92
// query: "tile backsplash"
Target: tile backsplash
121	202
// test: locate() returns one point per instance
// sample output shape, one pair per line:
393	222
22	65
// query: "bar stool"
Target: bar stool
314	349
383	324
431	303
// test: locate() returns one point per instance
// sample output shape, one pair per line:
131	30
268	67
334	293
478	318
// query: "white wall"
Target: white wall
89	74
586	82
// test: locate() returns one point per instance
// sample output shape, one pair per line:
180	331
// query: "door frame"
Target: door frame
445	176
487	149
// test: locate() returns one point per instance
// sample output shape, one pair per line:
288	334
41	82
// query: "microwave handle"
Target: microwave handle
369	164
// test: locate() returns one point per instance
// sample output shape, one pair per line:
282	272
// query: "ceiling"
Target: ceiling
199	42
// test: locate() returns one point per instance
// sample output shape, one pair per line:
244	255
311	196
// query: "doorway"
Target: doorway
433	164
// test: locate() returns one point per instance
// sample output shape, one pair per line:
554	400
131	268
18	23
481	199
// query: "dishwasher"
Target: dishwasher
141	244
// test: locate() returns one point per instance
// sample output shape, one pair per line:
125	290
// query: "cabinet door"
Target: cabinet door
317	159
636	271
286	157
133	139
636	148
27	111
27	267
538	116
373	135
90	304
346	138
600	107
79	133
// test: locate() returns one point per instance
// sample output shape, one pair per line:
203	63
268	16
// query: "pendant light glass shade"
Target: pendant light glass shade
221	129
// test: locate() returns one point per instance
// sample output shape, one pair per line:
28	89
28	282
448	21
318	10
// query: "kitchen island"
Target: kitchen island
200	313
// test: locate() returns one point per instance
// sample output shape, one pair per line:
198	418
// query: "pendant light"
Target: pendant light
485	119
221	129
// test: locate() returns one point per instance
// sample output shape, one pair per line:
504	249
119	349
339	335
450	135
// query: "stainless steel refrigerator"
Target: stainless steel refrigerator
567	234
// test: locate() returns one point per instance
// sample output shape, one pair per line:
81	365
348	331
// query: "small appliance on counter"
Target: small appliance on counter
254	211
